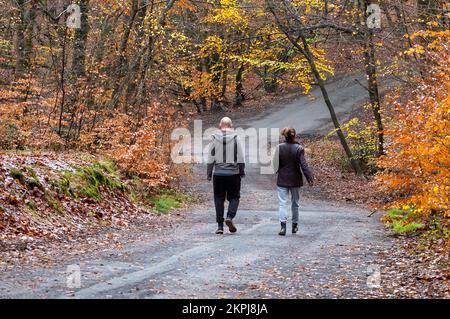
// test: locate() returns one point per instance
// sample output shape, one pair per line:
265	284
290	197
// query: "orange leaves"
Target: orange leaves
181	5
417	165
200	85
23	121
140	147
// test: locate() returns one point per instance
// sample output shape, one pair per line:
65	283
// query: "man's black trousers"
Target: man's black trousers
226	187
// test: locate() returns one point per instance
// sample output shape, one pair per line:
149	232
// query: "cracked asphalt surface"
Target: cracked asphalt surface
329	257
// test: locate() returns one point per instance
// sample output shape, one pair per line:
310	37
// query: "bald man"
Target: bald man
226	167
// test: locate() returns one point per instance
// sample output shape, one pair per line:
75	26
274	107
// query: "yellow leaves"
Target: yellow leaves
416	49
229	14
441	34
433	23
112	6
212	44
309	5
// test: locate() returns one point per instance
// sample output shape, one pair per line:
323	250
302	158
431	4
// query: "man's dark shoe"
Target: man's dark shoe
230	225
294	228
283	229
219	230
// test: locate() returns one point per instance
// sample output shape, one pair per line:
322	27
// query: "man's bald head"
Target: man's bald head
225	123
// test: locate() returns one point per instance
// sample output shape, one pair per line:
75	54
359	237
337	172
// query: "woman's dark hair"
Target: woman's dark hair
289	134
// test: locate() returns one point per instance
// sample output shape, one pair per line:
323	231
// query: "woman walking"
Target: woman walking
290	157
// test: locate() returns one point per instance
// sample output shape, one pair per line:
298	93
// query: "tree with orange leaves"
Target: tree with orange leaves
417	164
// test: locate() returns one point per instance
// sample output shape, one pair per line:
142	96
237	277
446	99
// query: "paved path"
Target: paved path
329	257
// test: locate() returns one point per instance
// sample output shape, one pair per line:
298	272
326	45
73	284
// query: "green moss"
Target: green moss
33	183
63	185
169	200
395	212
109	166
88	180
134	198
18	175
166	203
32	205
29	182
91	191
31	171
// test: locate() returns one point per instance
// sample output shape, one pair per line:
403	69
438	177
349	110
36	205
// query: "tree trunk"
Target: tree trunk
203	68
239	96
270	84
104	33
24	36
374	95
79	44
372	82
214	60
62	82
308	55
133	72
122	65
385	7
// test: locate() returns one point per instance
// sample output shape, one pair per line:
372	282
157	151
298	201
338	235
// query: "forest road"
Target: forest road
334	254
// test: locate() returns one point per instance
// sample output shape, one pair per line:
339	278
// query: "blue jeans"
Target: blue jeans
283	197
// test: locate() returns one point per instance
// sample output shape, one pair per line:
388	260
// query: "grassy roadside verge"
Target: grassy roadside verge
58	197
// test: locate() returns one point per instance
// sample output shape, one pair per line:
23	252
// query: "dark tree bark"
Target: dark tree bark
213	61
62	82
26	14
269	81
239	96
79	44
121	65
354	161
372	81
133	72
385	7
374	95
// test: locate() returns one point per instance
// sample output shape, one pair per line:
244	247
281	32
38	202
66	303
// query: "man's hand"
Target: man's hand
209	178
311	183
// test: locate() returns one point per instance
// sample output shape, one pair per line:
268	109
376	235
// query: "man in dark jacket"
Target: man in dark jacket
226	160
290	165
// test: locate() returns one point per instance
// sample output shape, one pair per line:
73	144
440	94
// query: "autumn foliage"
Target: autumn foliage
416	169
134	70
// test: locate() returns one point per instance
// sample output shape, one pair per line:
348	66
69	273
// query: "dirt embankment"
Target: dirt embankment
51	199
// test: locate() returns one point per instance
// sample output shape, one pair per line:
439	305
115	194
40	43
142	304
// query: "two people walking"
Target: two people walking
226	167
